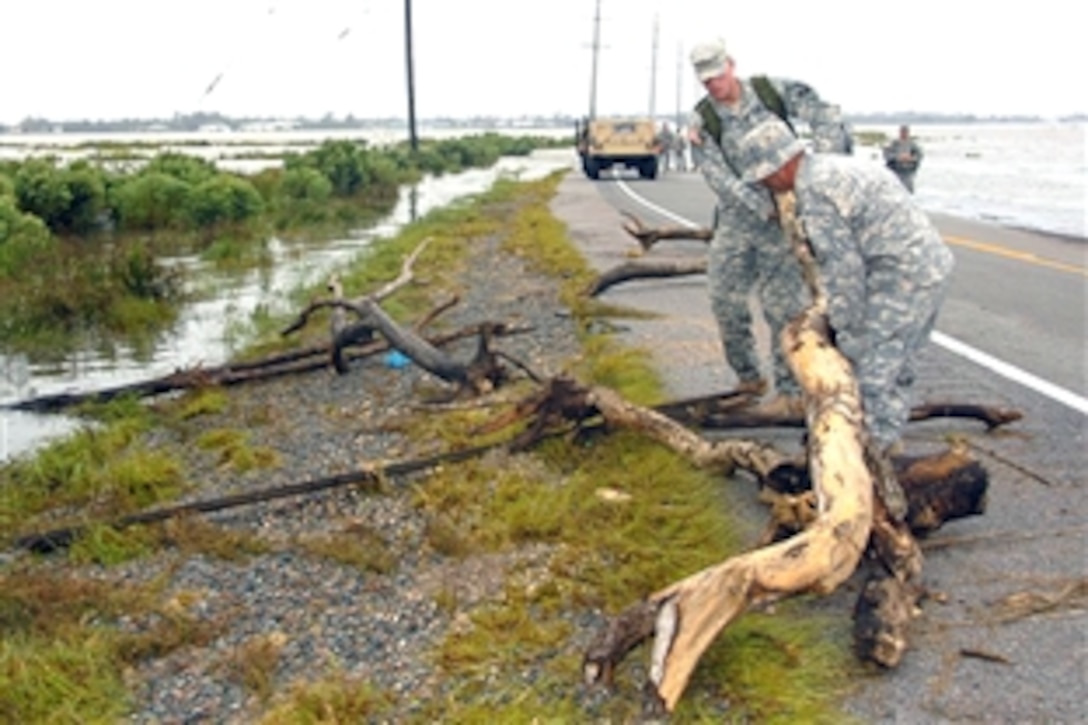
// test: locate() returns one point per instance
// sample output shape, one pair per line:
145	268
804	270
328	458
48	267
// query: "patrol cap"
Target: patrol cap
765	149
709	59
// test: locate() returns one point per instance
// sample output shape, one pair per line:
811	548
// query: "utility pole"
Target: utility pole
412	137
679	85
653	75
596	52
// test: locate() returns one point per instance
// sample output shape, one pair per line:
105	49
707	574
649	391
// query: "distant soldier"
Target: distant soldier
665	139
748	250
882	262
903	156
680	150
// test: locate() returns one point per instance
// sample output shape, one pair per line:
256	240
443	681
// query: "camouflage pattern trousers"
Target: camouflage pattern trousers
906	178
885	357
751	254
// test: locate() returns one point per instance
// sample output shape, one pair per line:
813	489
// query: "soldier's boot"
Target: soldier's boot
782	406
752	386
885	482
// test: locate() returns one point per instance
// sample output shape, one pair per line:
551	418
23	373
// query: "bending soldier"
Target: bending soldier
883	264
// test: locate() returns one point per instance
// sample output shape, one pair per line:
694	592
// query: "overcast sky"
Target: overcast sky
100	59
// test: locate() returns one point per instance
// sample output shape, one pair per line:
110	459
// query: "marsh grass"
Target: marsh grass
100	472
62	653
81	295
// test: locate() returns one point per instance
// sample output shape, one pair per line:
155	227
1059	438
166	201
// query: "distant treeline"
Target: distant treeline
215	121
209	121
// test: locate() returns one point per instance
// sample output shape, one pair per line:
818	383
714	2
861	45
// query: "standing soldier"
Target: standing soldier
749	251
664	142
903	156
680	150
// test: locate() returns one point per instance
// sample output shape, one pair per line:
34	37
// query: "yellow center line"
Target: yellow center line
1016	254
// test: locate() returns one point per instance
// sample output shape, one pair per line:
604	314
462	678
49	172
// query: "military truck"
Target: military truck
633	143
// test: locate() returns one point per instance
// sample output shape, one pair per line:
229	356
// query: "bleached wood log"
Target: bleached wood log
690	614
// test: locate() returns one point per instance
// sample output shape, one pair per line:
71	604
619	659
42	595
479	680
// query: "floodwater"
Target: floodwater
204	334
1031	175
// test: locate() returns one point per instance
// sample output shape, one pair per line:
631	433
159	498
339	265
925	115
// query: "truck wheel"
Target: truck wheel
648	169
591	168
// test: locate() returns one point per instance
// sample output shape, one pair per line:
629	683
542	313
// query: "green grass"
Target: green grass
62	661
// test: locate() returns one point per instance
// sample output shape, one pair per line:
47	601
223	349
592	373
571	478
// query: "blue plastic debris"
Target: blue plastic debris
396	359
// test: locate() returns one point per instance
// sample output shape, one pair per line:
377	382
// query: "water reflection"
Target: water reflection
207	332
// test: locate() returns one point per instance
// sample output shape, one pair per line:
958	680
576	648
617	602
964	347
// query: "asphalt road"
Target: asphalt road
1012	334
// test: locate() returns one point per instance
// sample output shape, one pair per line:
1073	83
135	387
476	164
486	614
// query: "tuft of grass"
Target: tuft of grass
235	452
627	370
784	667
202	401
195	535
358	546
65	679
253	663
331	701
104	545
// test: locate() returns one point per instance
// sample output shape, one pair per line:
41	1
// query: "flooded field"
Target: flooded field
206	333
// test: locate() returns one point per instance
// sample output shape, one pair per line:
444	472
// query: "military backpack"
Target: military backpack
768	96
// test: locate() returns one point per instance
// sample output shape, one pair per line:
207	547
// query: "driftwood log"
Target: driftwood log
846	518
688	615
731	410
348	342
481	374
647	237
644	270
311	358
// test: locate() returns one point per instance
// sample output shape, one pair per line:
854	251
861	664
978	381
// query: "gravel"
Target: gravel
321	615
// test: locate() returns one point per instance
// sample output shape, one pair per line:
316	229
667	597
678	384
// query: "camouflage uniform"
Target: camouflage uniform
748	249
905	170
882	263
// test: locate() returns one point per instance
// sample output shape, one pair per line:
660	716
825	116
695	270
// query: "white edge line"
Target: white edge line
654	207
1013	373
1002	368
